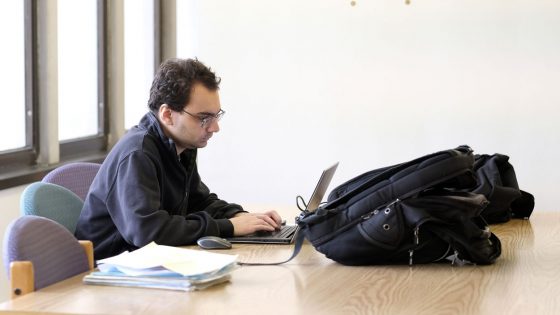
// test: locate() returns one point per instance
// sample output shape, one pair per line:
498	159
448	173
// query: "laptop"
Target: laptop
287	233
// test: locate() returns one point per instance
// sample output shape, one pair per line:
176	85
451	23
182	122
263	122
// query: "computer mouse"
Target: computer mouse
213	242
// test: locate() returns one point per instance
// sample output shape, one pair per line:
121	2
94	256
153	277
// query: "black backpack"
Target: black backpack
497	181
422	211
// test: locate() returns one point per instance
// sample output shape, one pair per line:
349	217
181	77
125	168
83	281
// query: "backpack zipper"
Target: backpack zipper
354	222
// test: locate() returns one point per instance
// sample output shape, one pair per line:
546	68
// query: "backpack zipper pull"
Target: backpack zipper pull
416	242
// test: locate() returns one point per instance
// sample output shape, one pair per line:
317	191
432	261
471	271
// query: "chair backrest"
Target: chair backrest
76	176
38	252
52	201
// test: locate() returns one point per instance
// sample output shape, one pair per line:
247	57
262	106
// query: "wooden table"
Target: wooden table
524	280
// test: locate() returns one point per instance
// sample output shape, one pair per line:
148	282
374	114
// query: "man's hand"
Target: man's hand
246	223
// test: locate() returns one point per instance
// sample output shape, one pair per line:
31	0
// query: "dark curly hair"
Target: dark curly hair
174	80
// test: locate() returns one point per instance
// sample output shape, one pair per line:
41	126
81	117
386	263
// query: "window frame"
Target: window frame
94	144
19	166
26	156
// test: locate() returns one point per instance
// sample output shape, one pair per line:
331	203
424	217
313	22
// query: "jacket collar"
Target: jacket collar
151	123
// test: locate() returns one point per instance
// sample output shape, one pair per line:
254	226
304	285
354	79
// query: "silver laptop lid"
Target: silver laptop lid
321	188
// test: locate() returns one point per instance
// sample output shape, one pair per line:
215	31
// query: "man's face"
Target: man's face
187	130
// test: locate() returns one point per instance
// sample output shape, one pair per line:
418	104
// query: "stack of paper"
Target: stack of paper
164	267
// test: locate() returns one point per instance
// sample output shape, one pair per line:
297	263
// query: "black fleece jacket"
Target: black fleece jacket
144	192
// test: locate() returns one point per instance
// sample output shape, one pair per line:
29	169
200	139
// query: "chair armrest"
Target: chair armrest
88	248
21	278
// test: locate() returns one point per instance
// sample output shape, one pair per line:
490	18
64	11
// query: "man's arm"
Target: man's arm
201	199
243	222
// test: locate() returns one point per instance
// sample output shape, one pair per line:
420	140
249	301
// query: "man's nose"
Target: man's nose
214	126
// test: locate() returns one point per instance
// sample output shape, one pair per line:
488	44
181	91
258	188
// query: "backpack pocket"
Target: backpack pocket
382	237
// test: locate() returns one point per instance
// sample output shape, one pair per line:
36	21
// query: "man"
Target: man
148	188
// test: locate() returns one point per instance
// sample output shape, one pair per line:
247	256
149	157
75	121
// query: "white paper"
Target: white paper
187	262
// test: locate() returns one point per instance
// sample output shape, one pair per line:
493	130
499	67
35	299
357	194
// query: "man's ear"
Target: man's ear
165	114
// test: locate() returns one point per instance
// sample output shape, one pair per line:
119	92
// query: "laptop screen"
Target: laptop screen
287	233
321	188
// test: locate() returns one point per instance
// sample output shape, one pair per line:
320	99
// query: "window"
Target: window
68	91
81	78
17	143
139	59
77	69
27	29
188	32
12	81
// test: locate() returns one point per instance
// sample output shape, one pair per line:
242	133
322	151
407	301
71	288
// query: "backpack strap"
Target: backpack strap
298	242
522	207
433	169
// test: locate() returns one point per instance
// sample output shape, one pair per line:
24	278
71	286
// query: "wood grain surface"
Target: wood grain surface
524	280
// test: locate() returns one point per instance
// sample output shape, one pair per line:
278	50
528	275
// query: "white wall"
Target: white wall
307	83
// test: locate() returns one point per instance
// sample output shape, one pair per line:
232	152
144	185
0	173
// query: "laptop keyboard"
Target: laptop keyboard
285	232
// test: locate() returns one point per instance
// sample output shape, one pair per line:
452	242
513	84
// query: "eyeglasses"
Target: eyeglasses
206	119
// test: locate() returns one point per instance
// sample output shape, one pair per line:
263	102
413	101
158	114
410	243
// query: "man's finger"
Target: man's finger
274	215
269	220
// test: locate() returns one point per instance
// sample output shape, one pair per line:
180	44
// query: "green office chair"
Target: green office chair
52	201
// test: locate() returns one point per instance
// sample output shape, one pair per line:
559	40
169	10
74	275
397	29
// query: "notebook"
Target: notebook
287	233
